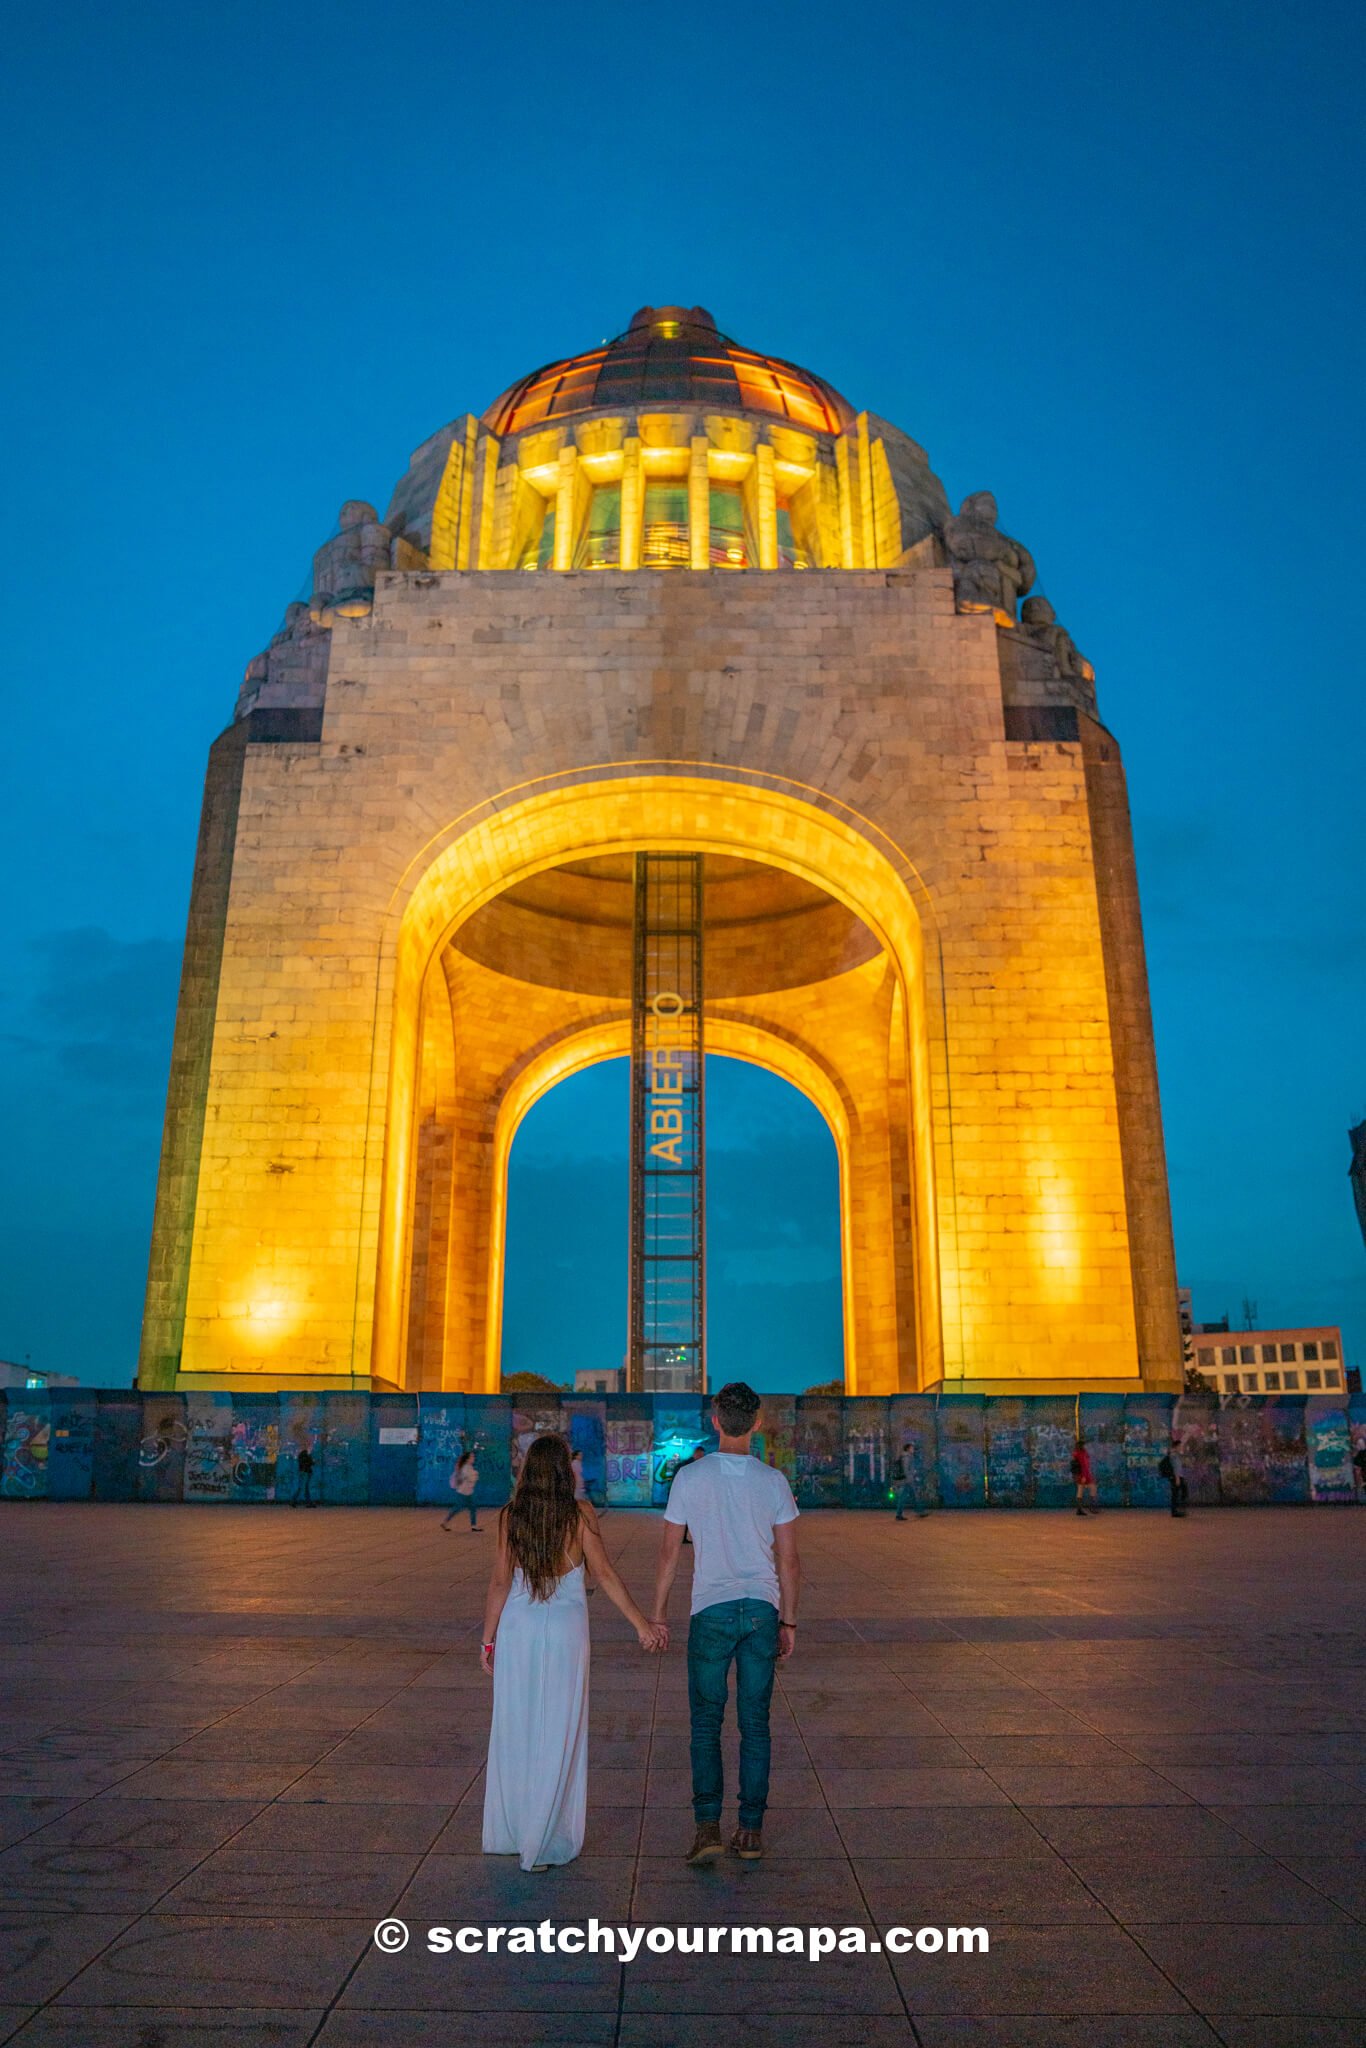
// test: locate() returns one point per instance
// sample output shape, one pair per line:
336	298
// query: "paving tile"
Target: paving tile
1126	1785
1099	1970
169	1778
1066	2030
789	1790
40	1952
883	1789
924	1891
806	1831
1271	1784
191	1961
1164	1885
397	1784
342	1826
1299	1972
349	2029
1300	1830
997	1753
1340	1878
12	2017
772	1984
165	2027
1237	2031
938	1831
502	1984
277	1882
885	1752
767	2030
488	1888
26	1814
1073	1830
777	1891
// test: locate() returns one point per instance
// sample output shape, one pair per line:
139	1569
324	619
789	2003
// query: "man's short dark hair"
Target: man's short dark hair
735	1408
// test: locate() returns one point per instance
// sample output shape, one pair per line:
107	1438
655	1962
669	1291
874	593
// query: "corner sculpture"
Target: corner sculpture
991	572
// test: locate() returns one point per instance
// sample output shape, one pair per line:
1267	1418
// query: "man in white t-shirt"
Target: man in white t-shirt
746	1579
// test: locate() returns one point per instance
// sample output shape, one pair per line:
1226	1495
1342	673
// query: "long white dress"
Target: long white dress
536	1788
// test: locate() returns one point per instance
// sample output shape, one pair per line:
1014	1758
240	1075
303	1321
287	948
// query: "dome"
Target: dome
667	356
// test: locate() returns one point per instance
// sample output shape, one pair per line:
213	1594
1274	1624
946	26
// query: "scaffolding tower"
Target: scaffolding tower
668	1308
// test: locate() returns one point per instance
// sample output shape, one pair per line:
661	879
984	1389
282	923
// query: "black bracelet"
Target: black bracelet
785	1624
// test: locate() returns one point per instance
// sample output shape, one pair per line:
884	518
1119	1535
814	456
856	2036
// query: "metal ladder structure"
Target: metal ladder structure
668	1299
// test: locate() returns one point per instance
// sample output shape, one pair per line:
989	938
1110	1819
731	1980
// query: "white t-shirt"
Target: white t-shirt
731	1504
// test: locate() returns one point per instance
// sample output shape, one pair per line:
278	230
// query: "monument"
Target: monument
669	597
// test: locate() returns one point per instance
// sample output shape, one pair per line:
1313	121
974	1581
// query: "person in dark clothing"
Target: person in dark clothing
1173	1471
303	1484
906	1474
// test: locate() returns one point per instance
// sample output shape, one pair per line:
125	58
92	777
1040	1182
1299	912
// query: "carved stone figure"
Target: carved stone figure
1039	625
990	570
344	570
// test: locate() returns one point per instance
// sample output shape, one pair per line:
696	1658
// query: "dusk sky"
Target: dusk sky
1104	263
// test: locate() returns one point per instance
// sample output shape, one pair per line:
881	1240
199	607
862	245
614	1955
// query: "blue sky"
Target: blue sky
1105	263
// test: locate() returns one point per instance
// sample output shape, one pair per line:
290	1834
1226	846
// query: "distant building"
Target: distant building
1271	1361
1356	1172
27	1376
607	1379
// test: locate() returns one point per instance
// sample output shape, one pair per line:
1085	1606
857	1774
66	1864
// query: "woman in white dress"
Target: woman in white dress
536	1648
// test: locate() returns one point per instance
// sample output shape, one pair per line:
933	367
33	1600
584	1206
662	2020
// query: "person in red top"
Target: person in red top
1085	1479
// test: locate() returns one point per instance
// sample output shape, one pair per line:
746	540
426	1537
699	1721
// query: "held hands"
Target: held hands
652	1636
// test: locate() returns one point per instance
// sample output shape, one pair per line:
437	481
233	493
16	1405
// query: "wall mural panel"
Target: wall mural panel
1052	1420
776	1440
585	1424
208	1448
393	1450
630	1448
28	1431
118	1436
301	1429
1147	1438
820	1451
1010	1465
962	1451
1332	1478
161	1453
255	1446
867	1471
1196	1423
346	1448
440	1443
71	1451
1100	1419
680	1426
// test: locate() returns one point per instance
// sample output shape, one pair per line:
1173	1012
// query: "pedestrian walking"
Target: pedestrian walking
907	1476
303	1483
464	1479
1084	1479
745	1585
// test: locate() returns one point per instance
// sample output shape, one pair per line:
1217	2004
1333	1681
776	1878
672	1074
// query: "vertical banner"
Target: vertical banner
118	1432
1147	1438
1195	1422
440	1442
630	1444
1052	1435
1331	1475
301	1429
346	1450
393	1450
1010	1471
776	1440
255	1446
488	1427
679	1427
161	1453
1100	1420
913	1441
820	1451
867	1463
962	1451
585	1424
71	1451
208	1447
28	1431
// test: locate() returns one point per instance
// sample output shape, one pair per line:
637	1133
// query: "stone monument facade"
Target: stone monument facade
668	594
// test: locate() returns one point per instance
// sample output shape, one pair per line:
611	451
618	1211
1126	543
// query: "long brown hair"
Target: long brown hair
542	1518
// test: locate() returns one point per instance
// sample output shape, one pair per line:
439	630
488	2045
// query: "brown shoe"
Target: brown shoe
748	1843
707	1843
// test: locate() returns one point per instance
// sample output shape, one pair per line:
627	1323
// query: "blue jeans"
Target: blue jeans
745	1632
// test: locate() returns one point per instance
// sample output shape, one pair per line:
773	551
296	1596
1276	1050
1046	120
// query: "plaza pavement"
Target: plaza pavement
1132	1748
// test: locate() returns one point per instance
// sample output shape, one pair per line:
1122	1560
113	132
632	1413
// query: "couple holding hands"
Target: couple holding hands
746	1581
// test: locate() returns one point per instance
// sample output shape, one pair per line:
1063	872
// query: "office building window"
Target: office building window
1330	1349
1249	1382
1292	1383
1206	1357
1313	1379
1230	1382
1272	1381
1247	1354
1331	1379
1229	1354
1311	1350
1268	1354
1287	1353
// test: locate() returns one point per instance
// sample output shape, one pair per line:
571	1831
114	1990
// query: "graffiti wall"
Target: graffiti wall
399	1450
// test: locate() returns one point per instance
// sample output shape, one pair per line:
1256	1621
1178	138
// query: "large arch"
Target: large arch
608	812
